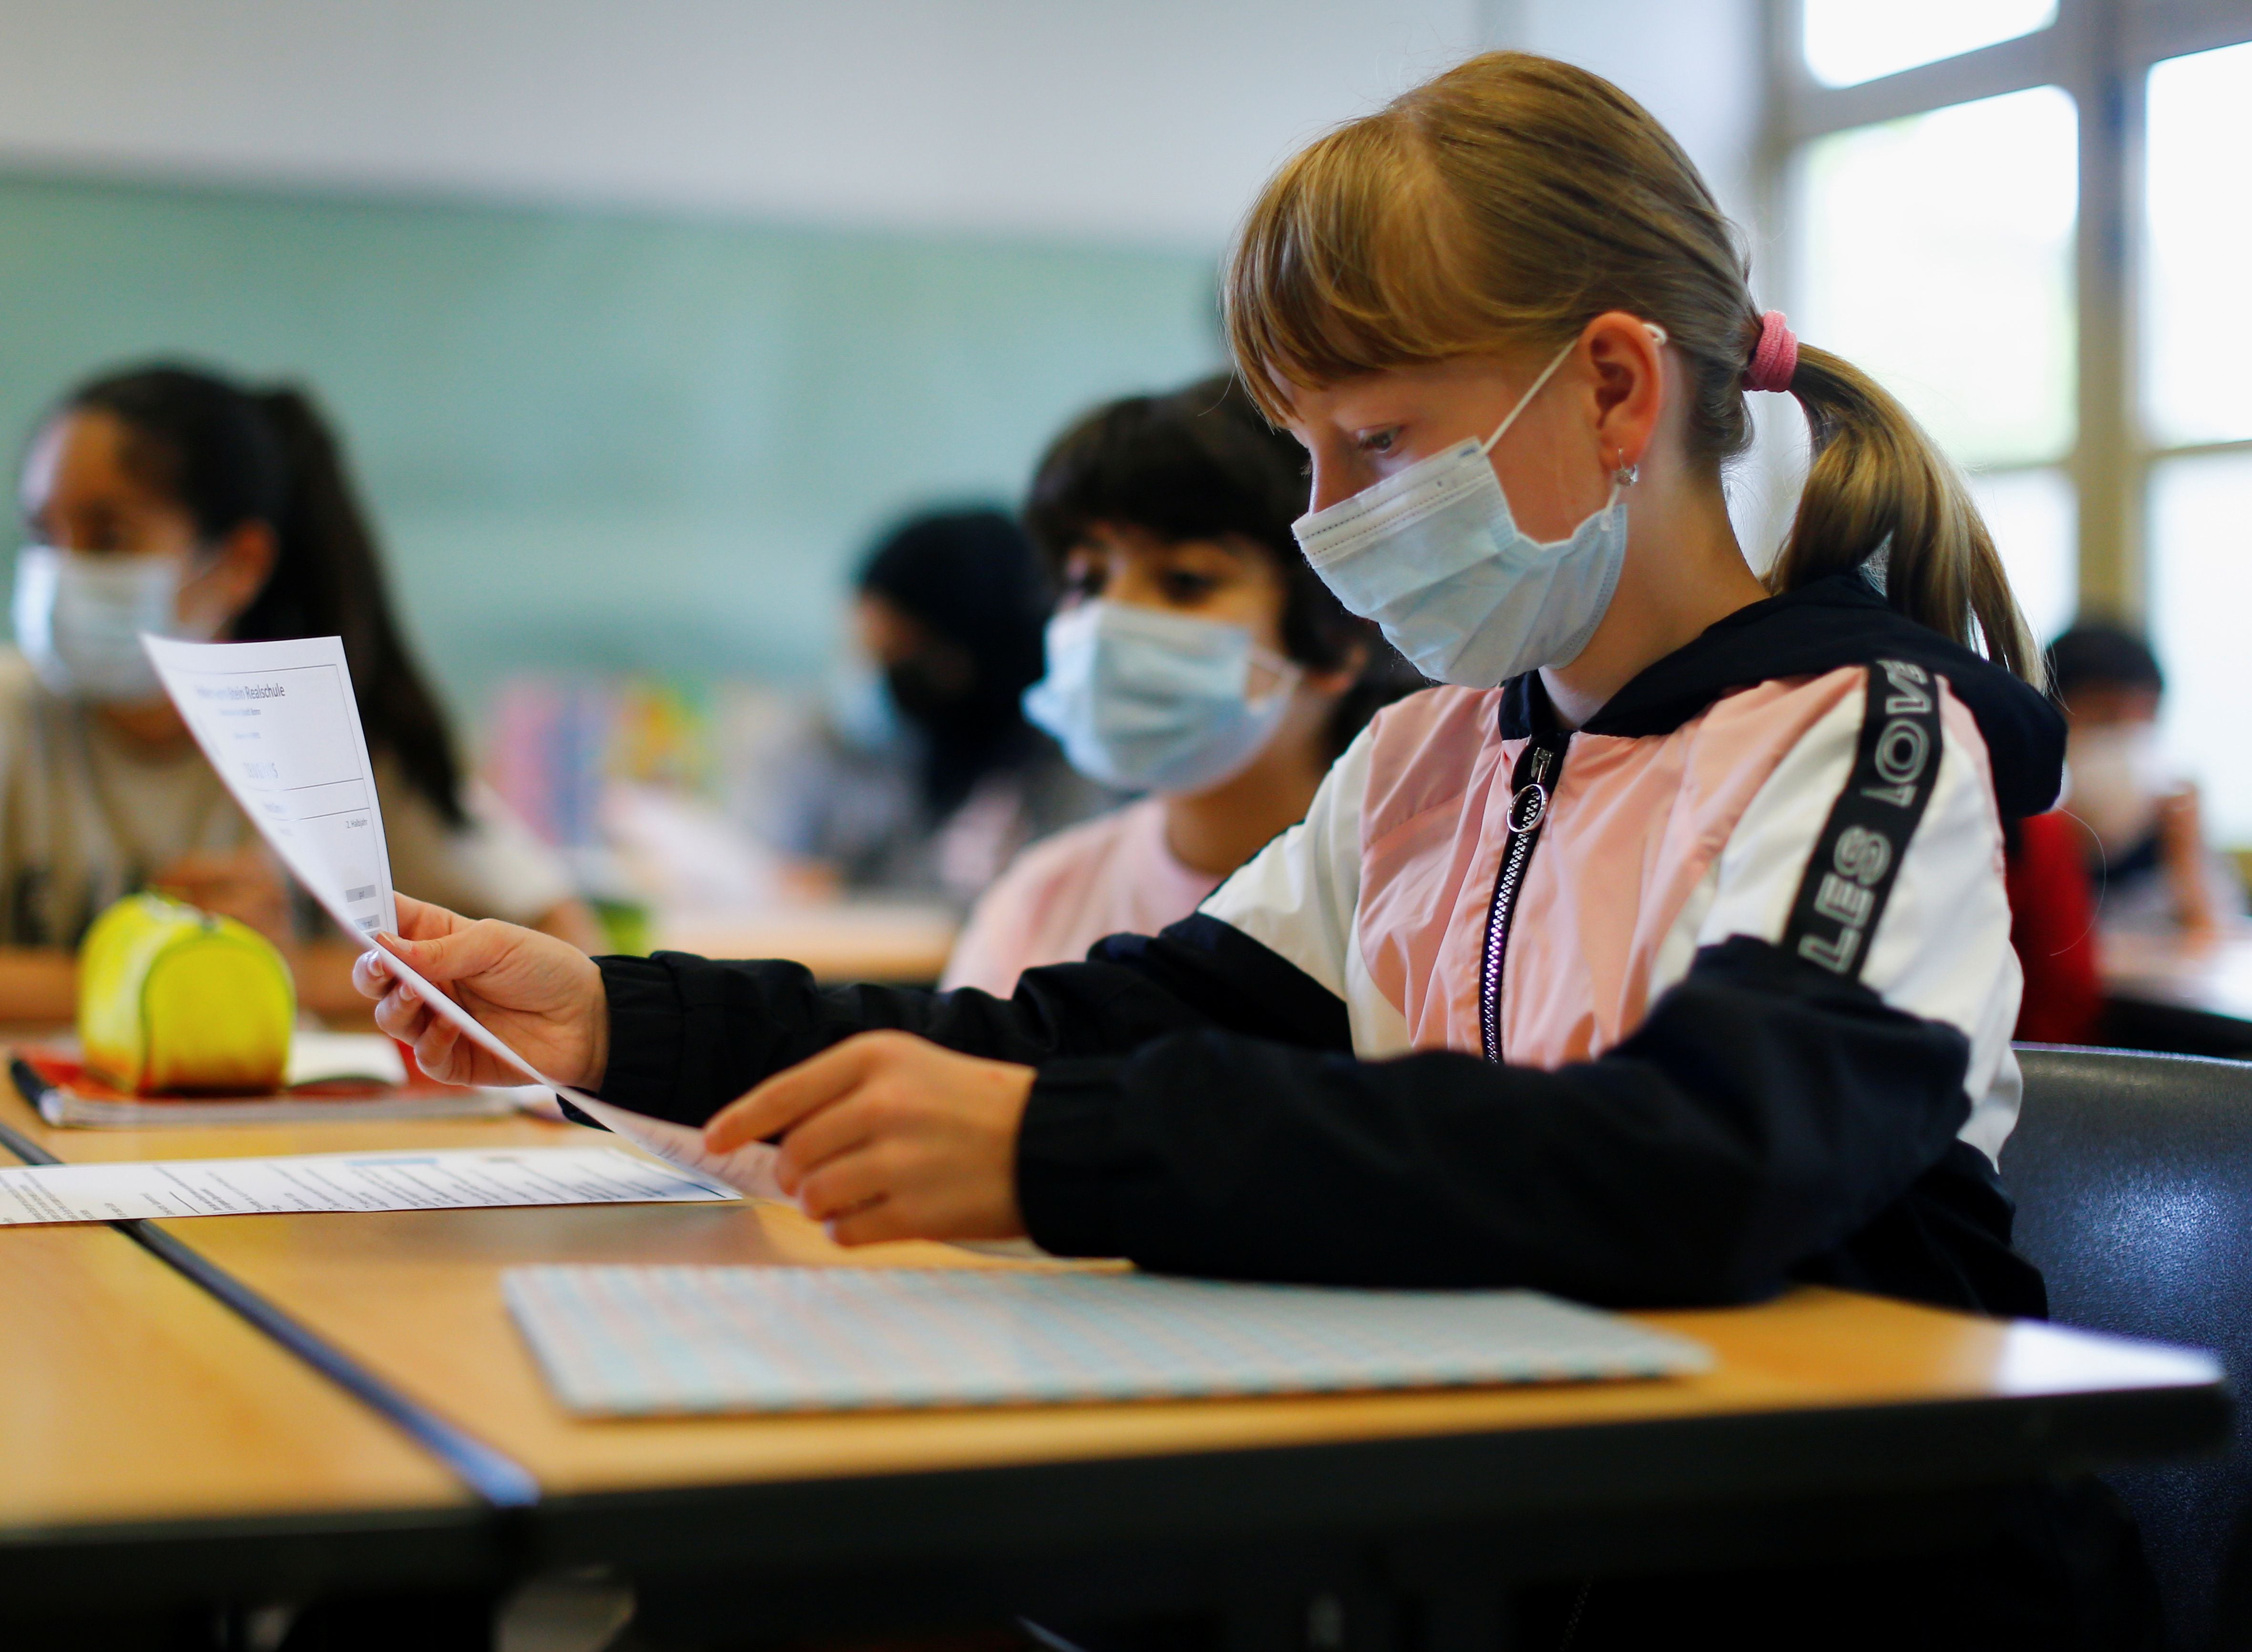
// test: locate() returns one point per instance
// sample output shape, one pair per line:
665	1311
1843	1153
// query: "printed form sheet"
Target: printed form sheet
449	1179
279	723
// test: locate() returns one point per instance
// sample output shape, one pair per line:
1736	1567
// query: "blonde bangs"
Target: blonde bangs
1344	266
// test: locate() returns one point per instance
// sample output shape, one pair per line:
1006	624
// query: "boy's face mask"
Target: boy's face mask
2116	778
1434	556
1151	701
79	619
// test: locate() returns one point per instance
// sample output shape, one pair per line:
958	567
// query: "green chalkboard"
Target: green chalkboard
605	441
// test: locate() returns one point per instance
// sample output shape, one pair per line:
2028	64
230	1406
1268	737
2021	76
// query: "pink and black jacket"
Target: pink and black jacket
1711	993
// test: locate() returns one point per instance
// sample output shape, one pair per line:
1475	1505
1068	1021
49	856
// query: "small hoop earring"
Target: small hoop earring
1624	473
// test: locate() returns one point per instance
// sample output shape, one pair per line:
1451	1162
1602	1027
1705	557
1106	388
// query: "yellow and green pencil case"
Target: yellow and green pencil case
174	1001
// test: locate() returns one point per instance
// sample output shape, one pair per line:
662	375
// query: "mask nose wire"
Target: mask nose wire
1526	401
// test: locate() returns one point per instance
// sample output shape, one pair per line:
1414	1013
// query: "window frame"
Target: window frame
2100	52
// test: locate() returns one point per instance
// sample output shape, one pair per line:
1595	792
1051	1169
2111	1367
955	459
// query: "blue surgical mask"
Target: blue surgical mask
1434	557
79	619
1151	701
859	706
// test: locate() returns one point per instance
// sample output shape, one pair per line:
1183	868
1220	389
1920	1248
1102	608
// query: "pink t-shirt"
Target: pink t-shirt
1113	875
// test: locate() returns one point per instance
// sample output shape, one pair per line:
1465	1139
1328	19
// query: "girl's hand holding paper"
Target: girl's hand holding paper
481	1003
540	996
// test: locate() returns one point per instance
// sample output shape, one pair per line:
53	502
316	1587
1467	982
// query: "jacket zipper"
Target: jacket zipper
1532	783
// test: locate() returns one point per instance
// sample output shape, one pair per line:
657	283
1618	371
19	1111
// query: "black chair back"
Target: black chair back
2133	1178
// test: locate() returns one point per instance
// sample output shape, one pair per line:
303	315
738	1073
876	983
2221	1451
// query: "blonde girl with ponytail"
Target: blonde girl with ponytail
1659	955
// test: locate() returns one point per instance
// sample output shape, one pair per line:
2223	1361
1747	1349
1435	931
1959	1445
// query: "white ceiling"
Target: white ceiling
1136	120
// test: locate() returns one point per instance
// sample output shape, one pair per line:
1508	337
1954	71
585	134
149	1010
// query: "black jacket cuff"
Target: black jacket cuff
1064	1149
646	1021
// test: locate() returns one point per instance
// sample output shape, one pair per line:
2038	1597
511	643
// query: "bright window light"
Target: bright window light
2031	516
2199	351
2201	591
1935	252
1849	41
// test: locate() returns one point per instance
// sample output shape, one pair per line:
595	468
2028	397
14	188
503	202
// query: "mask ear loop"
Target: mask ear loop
1526	401
202	558
1283	675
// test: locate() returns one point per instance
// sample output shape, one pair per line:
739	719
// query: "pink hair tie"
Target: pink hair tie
1775	359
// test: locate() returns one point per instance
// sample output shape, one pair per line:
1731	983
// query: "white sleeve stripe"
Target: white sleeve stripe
1298	896
1941	949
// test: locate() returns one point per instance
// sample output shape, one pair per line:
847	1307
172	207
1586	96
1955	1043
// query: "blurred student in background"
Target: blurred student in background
2052	930
2142	836
170	500
1193	656
924	778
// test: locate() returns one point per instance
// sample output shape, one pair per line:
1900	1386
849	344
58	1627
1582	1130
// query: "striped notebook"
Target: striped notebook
633	1342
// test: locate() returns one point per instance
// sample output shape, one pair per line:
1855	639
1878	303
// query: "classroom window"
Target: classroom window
2023	217
1849	41
1937	252
2198	258
2033	517
2201	591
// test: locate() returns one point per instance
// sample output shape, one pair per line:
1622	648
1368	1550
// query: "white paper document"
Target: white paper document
448	1179
279	723
644	1341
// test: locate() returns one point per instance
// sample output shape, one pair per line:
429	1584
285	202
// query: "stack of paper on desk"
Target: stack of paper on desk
444	1179
642	1341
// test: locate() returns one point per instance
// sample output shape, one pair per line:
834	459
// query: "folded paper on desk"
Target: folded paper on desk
448	1179
279	723
631	1342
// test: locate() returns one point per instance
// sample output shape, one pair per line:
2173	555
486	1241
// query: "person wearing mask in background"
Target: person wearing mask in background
172	500
1193	656
2142	837
925	778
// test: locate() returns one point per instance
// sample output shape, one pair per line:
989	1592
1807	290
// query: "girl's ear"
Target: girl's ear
1628	364
1339	679
236	574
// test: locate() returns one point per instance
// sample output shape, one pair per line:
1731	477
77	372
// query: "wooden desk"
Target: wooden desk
2193	995
1834	1423
842	941
175	1452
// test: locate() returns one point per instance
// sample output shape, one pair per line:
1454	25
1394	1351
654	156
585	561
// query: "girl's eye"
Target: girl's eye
1083	583
1378	443
1188	589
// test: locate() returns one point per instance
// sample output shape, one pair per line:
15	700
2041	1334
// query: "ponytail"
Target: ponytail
1878	493
328	580
229	456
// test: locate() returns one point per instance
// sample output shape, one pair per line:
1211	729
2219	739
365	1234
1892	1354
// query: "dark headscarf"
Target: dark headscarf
972	580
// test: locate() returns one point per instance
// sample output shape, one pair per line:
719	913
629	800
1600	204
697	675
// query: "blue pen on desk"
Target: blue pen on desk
35	1090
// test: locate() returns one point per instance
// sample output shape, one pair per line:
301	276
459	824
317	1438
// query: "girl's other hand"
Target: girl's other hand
247	885
888	1137
541	997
